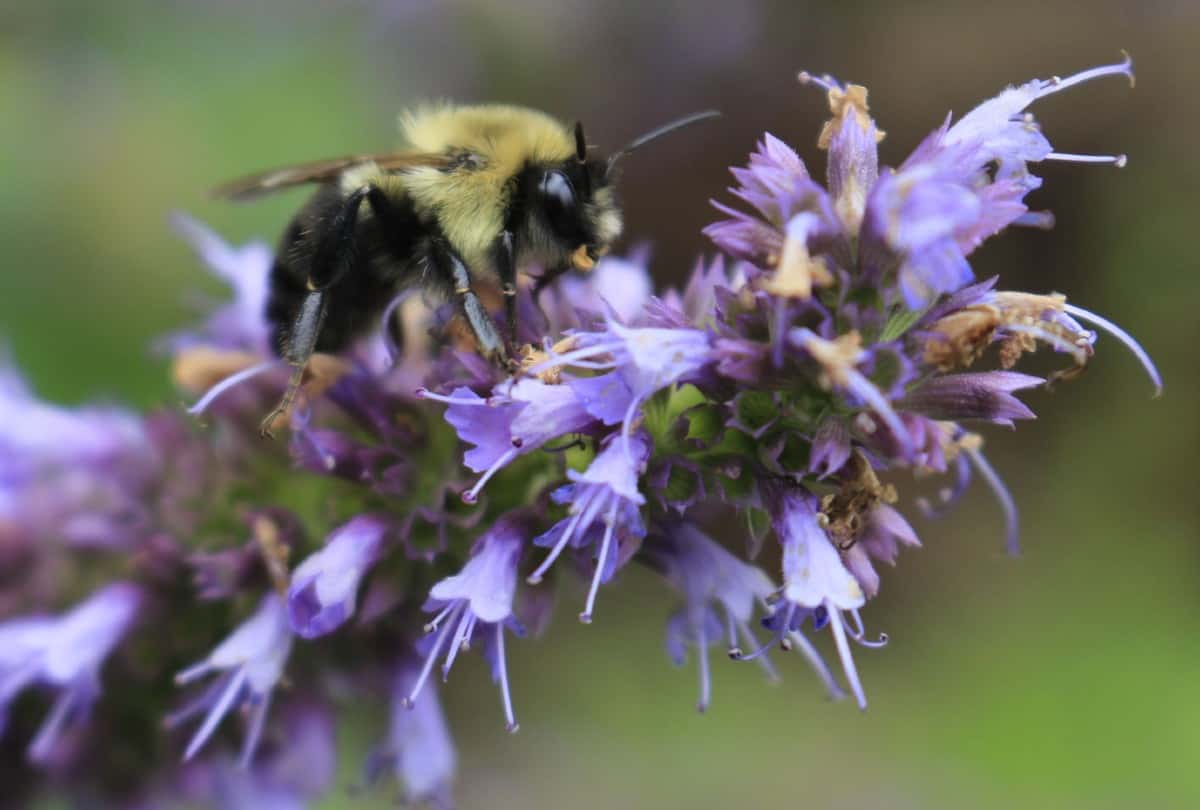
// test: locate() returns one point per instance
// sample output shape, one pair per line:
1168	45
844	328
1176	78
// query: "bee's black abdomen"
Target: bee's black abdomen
380	263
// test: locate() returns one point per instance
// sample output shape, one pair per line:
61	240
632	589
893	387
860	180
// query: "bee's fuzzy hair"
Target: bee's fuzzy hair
470	204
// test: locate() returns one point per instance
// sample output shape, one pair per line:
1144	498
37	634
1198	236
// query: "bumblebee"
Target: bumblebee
475	191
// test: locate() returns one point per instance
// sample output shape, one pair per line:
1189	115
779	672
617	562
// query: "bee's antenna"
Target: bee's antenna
580	143
654	134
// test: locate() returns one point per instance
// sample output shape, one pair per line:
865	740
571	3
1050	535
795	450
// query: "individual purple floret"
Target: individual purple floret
604	495
324	587
250	663
646	360
293	774
720	595
814	576
520	417
477	601
418	746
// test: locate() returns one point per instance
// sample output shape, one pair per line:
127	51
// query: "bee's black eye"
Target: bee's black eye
558	195
557	189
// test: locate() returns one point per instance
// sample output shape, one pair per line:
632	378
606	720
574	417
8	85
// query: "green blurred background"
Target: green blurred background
1063	679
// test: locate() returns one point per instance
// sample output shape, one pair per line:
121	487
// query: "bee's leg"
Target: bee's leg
506	268
301	342
333	257
452	271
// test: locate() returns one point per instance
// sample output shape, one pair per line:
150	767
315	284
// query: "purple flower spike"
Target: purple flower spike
325	586
479	597
251	661
67	654
709	577
606	493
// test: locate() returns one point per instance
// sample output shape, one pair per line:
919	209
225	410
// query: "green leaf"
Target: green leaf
755	409
704	423
682	484
900	322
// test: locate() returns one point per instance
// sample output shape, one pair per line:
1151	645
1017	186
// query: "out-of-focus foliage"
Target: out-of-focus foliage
1063	679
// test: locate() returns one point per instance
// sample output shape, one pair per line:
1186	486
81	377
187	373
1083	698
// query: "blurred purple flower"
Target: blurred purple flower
296	772
251	662
709	577
239	324
65	653
418	745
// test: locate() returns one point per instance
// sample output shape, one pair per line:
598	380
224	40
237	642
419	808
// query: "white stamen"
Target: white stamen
568	532
1123	336
472	494
433	623
806	648
258	718
1036	219
610	523
764	661
1117	160
989	474
425	393
43	743
232	693
627	429
705	675
461	634
229	382
586	353
843	648
825	81
411	700
510	721
1124	68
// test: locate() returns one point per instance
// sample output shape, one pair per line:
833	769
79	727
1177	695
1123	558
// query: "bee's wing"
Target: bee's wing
321	171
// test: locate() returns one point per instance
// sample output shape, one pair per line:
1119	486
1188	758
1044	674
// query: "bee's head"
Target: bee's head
574	214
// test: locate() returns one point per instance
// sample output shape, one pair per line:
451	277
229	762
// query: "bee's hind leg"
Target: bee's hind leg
301	343
332	259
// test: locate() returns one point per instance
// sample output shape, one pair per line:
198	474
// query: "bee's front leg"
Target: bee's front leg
506	269
453	272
